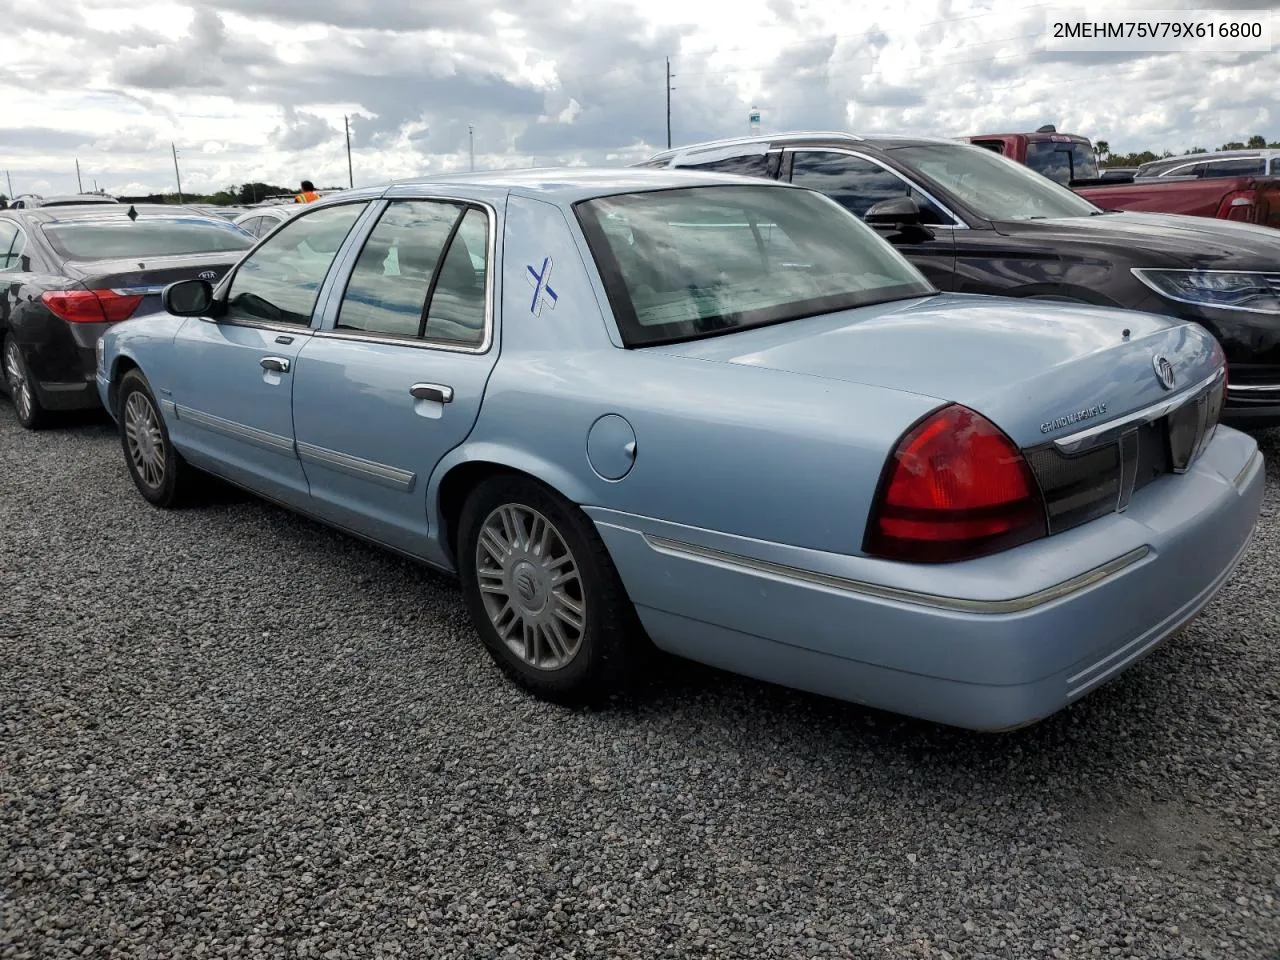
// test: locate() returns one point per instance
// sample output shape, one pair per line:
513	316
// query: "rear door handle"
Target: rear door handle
432	391
278	364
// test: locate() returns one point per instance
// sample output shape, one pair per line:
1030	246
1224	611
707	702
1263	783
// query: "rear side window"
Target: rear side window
8	231
1275	166
751	165
119	239
1242	167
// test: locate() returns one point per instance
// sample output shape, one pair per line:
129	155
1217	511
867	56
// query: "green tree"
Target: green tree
1102	148
1257	142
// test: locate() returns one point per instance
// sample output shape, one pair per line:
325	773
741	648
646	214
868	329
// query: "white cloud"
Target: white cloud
257	89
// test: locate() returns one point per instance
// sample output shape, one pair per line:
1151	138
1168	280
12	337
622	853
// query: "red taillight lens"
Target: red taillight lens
955	488
91	306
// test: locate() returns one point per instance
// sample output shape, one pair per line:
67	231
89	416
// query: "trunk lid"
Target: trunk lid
1037	369
147	277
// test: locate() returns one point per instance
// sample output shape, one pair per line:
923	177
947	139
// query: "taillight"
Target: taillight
955	488
91	306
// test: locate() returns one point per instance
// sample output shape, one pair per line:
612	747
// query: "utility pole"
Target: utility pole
79	184
9	180
471	140
176	174
351	178
668	103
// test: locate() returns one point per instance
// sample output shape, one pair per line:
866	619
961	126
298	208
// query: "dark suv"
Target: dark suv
976	222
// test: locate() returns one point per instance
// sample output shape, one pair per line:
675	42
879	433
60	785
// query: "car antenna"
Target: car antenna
133	213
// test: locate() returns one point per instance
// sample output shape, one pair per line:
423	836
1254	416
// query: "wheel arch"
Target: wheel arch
1062	291
119	367
460	472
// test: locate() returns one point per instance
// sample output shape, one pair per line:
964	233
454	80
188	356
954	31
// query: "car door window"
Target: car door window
253	226
857	184
8	232
1275	166
1236	167
752	165
280	281
456	313
388	287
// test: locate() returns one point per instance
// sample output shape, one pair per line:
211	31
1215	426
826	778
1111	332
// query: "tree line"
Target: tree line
1103	150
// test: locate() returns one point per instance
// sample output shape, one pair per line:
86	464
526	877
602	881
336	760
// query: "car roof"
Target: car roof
111	211
794	138
560	185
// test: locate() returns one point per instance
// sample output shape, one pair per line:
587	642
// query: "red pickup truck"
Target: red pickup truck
1070	159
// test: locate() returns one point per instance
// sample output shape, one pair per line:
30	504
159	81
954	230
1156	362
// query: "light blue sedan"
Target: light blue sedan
716	414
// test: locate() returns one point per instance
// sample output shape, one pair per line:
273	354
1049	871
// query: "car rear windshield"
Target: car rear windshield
112	239
1062	161
992	186
697	261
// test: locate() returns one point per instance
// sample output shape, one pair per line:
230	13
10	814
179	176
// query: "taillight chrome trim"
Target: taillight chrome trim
813	578
1111	431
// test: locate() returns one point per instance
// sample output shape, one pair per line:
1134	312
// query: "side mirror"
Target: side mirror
897	211
188	298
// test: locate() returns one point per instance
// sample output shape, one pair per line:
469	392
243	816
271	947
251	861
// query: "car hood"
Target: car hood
1026	365
1161	239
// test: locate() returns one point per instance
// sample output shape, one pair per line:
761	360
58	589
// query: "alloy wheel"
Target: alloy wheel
144	439
531	586
19	385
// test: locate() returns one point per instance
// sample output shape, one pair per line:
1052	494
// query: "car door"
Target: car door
394	379
858	183
231	392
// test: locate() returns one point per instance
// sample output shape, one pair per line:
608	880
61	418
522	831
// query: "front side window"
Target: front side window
280	281
857	184
1275	166
119	238
993	187
697	261
1062	161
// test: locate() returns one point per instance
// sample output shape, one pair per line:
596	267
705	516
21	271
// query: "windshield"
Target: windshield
1062	161
697	261
992	186
145	237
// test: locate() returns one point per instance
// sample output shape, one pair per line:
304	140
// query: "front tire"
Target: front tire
158	470
22	392
544	594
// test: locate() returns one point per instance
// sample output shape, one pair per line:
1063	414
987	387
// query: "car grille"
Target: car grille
1096	472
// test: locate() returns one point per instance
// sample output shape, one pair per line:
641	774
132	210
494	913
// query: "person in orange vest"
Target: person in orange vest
308	194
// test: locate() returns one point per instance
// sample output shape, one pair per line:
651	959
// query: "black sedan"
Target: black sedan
975	222
67	273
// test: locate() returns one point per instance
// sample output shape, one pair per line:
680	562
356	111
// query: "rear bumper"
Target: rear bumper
990	644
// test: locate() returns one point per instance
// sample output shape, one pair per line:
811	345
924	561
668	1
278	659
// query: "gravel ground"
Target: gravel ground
231	732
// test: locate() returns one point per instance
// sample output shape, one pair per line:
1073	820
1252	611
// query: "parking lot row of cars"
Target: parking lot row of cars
759	421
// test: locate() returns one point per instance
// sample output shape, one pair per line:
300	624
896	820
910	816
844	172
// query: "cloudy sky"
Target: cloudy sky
257	89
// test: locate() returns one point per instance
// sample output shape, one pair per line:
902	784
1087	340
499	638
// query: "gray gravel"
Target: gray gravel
231	732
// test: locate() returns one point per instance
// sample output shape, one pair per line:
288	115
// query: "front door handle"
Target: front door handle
278	364
432	391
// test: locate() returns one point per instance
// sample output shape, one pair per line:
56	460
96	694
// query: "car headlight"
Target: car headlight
1224	289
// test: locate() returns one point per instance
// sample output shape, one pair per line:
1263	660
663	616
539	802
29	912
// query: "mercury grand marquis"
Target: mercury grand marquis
715	415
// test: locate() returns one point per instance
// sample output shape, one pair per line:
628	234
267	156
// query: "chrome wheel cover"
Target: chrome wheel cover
144	439
531	587
19	387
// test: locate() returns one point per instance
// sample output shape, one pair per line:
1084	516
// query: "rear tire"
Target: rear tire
22	392
544	594
158	470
